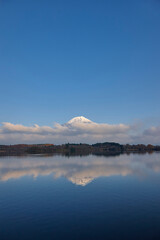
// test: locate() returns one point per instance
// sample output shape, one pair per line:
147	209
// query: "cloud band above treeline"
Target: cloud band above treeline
77	130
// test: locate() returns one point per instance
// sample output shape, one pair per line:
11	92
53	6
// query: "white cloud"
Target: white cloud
77	130
150	135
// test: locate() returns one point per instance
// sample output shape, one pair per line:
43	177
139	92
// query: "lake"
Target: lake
89	197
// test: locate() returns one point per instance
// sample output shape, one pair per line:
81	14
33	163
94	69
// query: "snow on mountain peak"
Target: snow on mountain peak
80	119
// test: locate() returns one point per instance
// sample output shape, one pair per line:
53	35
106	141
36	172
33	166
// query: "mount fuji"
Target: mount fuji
78	120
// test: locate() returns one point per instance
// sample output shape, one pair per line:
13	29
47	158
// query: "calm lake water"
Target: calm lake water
56	197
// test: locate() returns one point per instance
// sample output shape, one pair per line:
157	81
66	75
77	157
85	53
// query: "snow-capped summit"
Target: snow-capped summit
80	119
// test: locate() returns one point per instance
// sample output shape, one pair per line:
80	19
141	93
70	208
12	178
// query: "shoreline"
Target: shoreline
71	149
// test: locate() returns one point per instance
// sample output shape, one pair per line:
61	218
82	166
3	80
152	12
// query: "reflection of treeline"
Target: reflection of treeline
107	148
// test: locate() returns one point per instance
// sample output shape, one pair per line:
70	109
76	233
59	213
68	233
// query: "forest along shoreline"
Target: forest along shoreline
71	149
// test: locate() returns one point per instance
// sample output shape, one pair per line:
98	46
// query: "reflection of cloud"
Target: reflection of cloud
78	170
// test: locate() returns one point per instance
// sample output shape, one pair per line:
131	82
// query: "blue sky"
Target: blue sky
61	59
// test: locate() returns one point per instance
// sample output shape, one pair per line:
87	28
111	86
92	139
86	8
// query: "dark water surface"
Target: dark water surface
80	197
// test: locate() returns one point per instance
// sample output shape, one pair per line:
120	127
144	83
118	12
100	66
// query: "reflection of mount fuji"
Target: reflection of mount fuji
80	181
78	170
